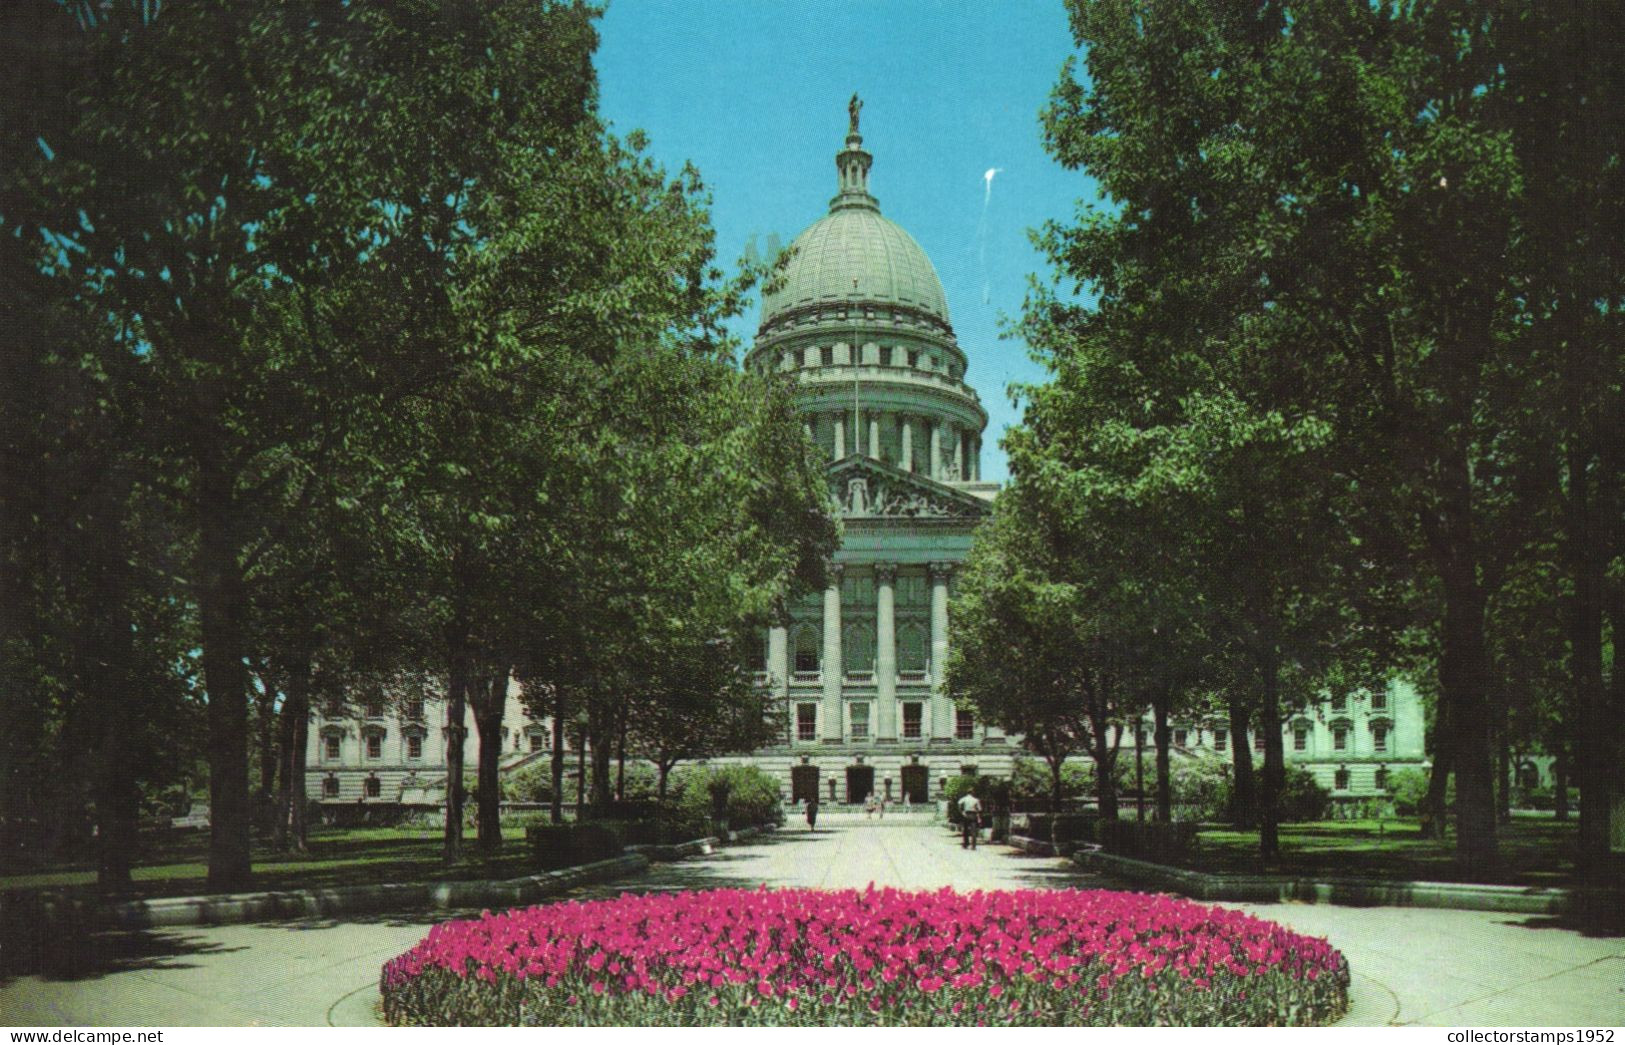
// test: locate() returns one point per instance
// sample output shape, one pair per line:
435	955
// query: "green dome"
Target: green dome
855	255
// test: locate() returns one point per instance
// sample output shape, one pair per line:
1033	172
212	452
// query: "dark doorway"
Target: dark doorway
803	783
860	783
916	785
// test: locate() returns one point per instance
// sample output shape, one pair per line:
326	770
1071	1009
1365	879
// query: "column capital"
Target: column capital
886	572
941	571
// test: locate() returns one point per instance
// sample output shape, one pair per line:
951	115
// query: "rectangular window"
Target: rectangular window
1221	739
1341	783
1340	702
414	746
330	787
1379	696
375	746
1180	736
913	716
1382	778
964	725
538	741
1258	740
332	745
1340	739
414	710
1300	739
860	721
1379	738
806	721
374	787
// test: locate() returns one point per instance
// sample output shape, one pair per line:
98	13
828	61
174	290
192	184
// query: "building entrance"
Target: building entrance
916	784
860	783
803	783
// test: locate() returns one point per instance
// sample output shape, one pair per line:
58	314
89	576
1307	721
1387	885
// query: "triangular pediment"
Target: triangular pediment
866	488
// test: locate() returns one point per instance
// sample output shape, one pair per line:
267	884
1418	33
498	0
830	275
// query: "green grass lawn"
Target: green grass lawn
1533	852
178	866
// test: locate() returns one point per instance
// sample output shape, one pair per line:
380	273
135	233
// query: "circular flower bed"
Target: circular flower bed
880	957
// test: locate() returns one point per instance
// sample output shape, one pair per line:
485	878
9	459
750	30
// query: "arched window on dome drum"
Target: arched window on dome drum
911	648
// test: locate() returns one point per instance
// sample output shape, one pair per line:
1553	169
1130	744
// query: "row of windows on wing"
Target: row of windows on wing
372	742
859	714
1342	733
859	644
899	357
410	711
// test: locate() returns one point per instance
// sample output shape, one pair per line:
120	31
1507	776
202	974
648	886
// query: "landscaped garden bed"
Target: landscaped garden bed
880	957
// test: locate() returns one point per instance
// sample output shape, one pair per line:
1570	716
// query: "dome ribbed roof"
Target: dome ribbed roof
854	243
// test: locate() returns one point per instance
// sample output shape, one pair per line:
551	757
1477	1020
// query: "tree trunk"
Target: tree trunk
1274	776
600	737
1165	788
1503	772
557	810
222	614
1243	799
620	756
581	773
118	794
297	699
1139	770
490	698
299	800
456	716
269	734
1434	811
1464	679
1560	787
1584	619
664	769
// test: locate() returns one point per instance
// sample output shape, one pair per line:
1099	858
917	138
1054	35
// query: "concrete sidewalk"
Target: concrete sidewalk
1411	966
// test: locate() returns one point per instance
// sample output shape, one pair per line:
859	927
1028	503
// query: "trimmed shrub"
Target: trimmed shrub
1201	789
1147	840
557	846
1303	798
745	796
875	958
1067	830
1030	781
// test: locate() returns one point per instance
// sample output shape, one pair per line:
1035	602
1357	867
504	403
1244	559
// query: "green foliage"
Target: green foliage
743	795
1407	787
1302	796
1030	780
1201	789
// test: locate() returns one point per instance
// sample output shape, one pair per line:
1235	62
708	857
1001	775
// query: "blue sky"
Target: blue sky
754	93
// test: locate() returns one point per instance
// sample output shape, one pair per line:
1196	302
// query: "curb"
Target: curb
361	899
1352	892
682	850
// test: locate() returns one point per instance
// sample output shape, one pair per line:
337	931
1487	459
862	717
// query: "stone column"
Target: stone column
959	455
778	658
834	726
942	709
908	445
886	652
840	435
935	469
874	435
976	460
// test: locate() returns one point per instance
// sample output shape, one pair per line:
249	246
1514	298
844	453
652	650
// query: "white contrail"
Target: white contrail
981	227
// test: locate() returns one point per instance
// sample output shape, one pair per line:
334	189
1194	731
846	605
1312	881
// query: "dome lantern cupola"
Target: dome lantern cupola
852	166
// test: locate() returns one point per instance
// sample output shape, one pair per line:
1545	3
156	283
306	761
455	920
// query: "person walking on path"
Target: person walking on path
970	820
812	814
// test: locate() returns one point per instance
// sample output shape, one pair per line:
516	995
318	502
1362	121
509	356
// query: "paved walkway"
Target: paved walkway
1411	965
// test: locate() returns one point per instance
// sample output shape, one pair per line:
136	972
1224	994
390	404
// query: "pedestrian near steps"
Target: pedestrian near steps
970	820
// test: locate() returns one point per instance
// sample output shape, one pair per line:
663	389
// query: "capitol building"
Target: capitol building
858	324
